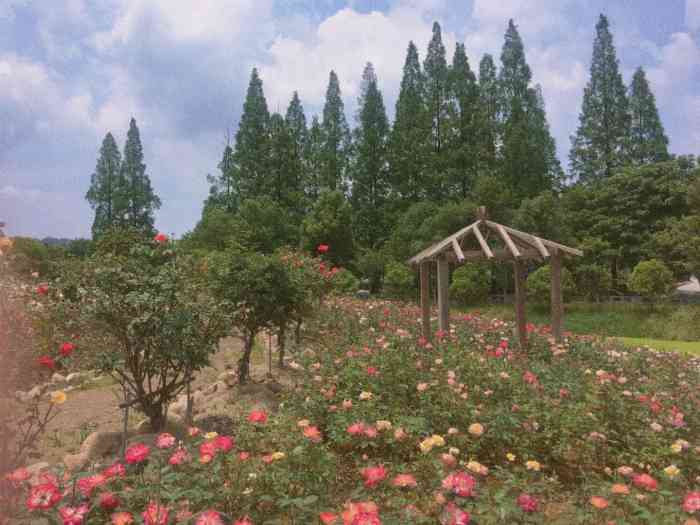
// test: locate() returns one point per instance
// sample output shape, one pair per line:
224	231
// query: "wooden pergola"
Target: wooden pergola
517	247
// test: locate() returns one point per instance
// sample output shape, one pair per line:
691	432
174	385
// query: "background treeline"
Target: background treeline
463	135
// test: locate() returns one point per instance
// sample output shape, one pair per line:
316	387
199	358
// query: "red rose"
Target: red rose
161	238
66	349
47	361
322	248
137	453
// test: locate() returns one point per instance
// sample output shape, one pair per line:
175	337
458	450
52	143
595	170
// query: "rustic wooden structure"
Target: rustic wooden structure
518	247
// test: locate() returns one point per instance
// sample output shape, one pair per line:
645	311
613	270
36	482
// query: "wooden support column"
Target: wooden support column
443	276
425	298
557	304
519	277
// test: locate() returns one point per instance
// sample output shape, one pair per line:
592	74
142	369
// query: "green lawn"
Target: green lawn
689	347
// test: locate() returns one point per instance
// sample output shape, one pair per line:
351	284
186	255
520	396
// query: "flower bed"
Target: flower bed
386	428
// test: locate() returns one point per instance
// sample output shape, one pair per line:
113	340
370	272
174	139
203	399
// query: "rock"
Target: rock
74	378
230	378
274	386
58	379
175	425
215	387
362	294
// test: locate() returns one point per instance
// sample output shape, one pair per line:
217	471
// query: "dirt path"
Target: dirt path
87	410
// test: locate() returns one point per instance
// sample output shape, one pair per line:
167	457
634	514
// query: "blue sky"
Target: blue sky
71	70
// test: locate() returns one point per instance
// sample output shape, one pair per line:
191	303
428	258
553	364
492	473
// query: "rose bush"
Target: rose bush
385	427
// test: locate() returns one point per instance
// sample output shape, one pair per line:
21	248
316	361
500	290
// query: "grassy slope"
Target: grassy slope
689	347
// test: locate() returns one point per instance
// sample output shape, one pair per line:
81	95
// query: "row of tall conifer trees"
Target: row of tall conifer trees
455	132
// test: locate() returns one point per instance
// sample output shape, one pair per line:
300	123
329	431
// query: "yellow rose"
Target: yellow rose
278	455
533	465
438	440
672	471
58	397
383	425
510	456
426	445
211	435
364	396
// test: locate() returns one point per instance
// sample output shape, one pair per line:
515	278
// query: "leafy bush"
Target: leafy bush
539	285
370	264
344	282
471	283
256	289
576	433
651	279
593	281
329	223
399	280
147	302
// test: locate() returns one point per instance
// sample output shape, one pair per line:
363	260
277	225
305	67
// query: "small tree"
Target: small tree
147	301
398	279
257	289
471	283
539	285
651	279
593	280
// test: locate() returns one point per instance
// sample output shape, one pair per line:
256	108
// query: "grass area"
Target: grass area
688	347
668	322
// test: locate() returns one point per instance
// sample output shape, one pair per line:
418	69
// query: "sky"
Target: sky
72	70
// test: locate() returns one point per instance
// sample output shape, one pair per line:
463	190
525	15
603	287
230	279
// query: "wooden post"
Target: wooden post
556	303
519	274
425	298
443	276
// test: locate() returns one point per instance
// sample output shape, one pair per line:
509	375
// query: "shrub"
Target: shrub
539	285
344	282
371	264
471	283
399	279
256	289
147	302
593	281
651	279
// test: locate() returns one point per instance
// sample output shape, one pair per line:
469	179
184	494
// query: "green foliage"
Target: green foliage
648	141
399	280
263	225
214	231
29	255
108	193
593	281
600	144
344	282
257	290
369	174
678	245
407	152
251	153
471	283
370	266
336	138
539	285
329	222
651	279
146	303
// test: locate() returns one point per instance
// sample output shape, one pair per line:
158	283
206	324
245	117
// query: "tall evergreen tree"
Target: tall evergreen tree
314	162
527	160
282	188
336	137
488	116
223	190
107	194
299	135
464	117
599	145
142	201
369	174
438	104
648	142
251	153
410	133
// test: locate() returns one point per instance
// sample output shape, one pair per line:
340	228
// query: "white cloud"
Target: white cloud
678	61
183	20
345	42
692	14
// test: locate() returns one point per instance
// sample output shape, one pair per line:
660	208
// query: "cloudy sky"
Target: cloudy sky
71	70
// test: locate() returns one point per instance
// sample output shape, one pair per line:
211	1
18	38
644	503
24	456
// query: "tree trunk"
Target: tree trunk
281	344
244	361
297	333
156	417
